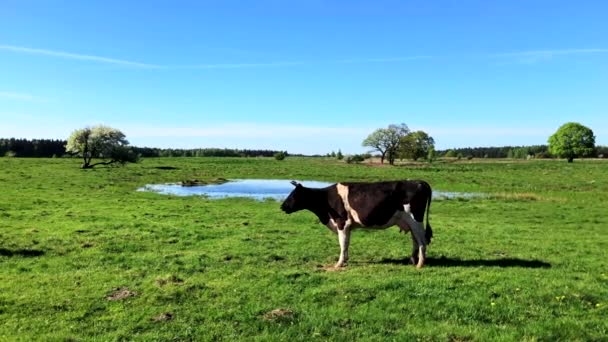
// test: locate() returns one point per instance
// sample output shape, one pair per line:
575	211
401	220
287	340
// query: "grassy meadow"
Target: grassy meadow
83	256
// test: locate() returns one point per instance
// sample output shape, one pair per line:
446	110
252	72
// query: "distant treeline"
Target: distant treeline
517	152
147	152
56	148
32	148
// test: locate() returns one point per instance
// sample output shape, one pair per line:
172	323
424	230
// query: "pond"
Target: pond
260	189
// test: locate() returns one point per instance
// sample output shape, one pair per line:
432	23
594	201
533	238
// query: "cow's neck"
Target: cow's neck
317	203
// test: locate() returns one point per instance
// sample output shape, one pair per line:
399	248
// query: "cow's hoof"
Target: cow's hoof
413	261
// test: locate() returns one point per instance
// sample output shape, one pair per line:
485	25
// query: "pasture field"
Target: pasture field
83	256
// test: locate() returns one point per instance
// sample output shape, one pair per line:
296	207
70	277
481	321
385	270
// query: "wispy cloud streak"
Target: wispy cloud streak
382	60
533	56
235	65
126	63
17	96
76	56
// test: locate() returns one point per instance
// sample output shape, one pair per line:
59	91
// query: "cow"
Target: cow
343	207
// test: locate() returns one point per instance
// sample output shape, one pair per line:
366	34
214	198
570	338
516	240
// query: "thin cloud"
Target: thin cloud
236	65
69	55
382	60
18	96
126	63
529	57
533	56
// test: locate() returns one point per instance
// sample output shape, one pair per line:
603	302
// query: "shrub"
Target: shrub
280	155
355	158
450	154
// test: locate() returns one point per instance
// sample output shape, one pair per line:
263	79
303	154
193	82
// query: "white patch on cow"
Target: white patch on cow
332	225
344	240
403	219
353	216
407	208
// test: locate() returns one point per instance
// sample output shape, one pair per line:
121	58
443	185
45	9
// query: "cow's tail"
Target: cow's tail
428	233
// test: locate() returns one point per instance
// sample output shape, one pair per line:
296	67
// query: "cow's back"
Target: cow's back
376	203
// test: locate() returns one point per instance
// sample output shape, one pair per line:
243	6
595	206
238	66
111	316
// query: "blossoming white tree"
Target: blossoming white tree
101	142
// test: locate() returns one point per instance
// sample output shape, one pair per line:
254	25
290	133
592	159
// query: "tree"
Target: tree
386	141
106	143
416	145
572	140
339	155
431	154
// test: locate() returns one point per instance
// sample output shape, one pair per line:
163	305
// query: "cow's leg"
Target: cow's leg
414	258
403	227
418	238
344	240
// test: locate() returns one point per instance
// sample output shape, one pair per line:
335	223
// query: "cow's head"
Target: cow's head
296	199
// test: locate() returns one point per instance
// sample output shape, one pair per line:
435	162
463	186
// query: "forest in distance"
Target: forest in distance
49	148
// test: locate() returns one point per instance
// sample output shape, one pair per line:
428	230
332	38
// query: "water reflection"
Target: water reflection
260	189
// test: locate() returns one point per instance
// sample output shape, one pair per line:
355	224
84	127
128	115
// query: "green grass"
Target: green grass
528	263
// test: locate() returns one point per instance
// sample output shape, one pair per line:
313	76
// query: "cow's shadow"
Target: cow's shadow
444	261
24	253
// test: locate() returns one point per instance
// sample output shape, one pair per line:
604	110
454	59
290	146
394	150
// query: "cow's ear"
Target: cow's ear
296	184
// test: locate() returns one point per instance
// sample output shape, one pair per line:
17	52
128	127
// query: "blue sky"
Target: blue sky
304	76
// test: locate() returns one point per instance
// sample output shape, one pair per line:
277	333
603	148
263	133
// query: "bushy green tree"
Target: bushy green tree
386	141
103	142
415	145
450	154
572	140
339	155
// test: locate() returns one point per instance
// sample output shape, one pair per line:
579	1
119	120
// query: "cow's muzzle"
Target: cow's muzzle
286	209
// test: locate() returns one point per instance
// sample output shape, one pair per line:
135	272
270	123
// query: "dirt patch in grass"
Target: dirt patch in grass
331	268
120	294
163	317
525	197
280	314
172	279
198	182
87	245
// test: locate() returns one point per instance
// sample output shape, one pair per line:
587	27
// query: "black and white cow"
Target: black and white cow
343	207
